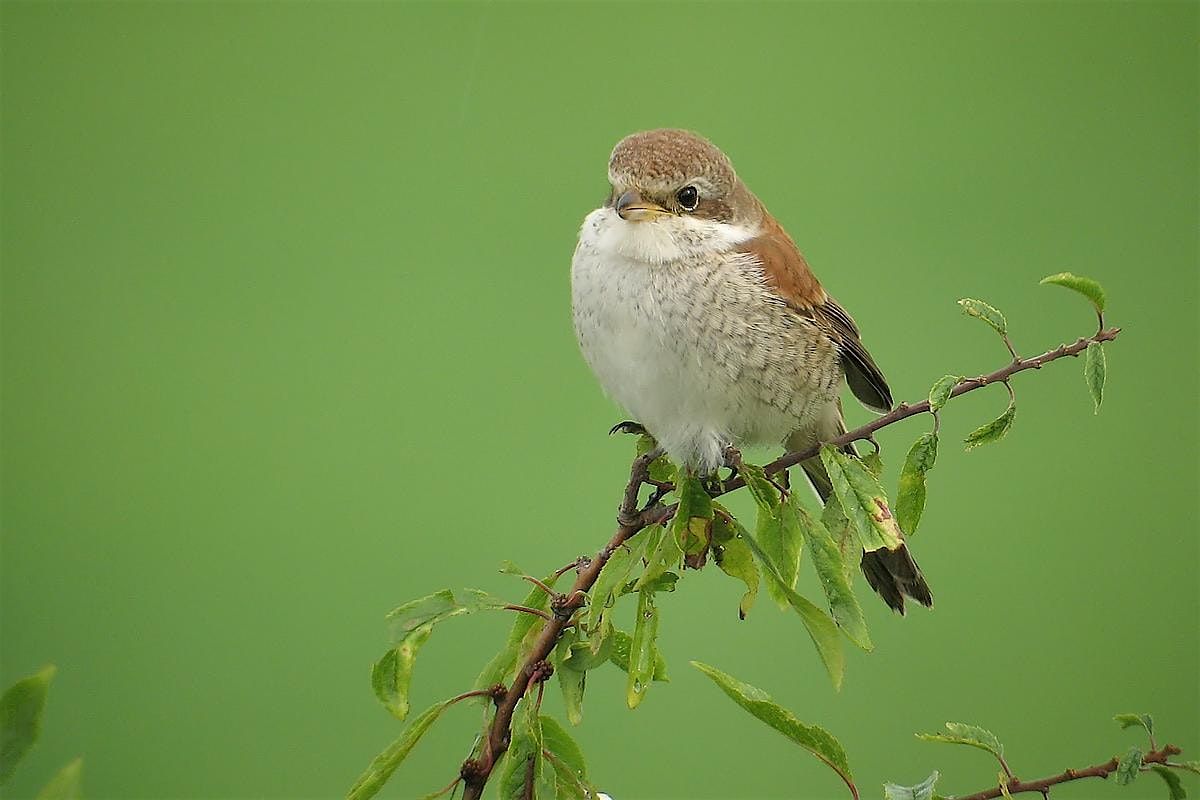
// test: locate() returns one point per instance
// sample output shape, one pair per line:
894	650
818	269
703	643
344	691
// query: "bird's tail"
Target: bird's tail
893	574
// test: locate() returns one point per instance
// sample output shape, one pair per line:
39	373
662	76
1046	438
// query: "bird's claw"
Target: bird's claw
628	426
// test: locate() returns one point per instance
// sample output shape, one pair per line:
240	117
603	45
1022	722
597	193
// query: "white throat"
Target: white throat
660	241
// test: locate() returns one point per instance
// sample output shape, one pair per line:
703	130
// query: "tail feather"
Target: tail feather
893	574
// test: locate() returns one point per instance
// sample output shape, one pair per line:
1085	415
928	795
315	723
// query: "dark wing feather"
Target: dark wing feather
863	376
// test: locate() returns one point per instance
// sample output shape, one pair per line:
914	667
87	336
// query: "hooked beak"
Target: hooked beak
632	208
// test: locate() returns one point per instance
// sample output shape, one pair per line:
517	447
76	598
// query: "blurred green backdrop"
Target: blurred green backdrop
286	342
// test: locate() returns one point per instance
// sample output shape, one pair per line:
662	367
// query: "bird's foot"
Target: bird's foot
628	426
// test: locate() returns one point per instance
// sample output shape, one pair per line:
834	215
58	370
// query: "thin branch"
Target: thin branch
1016	786
631	520
537	612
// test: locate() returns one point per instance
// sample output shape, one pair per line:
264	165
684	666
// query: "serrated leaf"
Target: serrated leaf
21	708
566	758
643	650
939	393
759	704
66	785
1191	766
1094	369
1128	766
820	626
920	791
736	560
874	463
1175	790
970	735
994	431
1134	720
610	581
910	493
1085	286
862	499
391	676
509	568
384	764
985	312
622	644
523	629
827	560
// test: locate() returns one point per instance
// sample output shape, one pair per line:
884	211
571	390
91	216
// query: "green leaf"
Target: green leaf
622	645
1094	369
939	393
1128	766
412	625
384	764
612	577
862	499
643	650
688	531
736	560
524	628
1135	720
910	494
391	676
21	709
1085	286
985	312
994	431
1175	788
661	469
1191	766
842	531
571	671
566	758
66	785
761	488
827	560
526	744
970	735
873	462
436	607
759	704
820	626
920	791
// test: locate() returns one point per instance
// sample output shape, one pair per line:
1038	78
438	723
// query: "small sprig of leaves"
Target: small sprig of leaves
670	522
825	746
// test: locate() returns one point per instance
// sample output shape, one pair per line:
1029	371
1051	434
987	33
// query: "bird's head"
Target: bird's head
666	176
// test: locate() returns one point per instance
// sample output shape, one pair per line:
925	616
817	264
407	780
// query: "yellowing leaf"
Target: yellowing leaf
862	499
736	560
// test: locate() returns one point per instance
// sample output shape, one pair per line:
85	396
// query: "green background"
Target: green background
286	342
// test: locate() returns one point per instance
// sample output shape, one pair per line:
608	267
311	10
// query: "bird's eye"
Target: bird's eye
688	197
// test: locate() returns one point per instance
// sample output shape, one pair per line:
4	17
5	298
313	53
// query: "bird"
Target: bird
699	315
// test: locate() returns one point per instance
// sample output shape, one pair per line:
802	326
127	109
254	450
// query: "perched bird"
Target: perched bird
700	316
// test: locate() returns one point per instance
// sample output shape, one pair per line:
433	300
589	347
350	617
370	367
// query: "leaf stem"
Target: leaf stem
526	609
